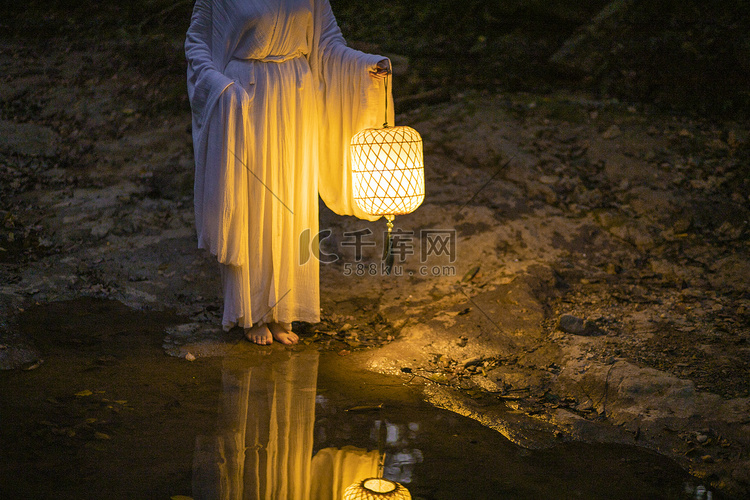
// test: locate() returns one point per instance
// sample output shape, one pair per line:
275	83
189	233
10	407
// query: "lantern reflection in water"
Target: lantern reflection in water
376	488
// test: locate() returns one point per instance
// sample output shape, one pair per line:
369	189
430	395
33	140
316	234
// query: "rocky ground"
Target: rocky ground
590	283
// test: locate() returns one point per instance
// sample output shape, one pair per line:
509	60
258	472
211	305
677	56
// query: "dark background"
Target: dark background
686	55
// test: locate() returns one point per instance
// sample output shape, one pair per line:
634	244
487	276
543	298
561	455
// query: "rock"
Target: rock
682	224
586	406
101	230
577	326
475	361
485	384
611	132
571	324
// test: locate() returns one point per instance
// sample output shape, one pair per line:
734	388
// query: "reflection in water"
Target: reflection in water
263	449
399	466
335	469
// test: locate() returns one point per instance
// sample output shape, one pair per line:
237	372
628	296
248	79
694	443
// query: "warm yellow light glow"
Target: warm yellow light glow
379	485
376	488
387	170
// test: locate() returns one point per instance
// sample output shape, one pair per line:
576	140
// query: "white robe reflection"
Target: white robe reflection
264	448
334	469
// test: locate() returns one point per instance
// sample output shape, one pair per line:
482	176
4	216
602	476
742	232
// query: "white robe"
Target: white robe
276	96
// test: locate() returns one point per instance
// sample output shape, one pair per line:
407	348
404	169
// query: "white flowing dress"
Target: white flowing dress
276	96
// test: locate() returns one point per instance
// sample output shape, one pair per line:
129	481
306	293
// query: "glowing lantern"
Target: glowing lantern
376	488
387	172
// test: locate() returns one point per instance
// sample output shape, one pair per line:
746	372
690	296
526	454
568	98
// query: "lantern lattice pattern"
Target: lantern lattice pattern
387	170
376	489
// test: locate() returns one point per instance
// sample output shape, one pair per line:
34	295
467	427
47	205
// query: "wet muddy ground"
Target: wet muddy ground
109	415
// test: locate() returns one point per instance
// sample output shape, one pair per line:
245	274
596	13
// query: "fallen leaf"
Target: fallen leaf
32	365
439	378
84	393
365	408
470	274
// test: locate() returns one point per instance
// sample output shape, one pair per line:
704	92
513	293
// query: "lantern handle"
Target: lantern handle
389	73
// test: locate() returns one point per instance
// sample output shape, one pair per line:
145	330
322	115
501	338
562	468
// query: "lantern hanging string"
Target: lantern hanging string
387	75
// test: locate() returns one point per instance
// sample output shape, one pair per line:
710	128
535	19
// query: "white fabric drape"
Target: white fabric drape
276	96
334	470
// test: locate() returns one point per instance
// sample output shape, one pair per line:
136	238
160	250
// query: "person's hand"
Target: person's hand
381	70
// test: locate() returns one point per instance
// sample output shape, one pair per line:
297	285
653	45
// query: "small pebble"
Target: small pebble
612	132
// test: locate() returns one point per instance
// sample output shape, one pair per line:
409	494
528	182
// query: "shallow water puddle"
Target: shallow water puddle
109	415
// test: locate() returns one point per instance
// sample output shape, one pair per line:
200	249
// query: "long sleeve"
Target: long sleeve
219	126
349	100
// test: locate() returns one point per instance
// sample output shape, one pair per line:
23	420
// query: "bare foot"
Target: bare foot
259	334
283	333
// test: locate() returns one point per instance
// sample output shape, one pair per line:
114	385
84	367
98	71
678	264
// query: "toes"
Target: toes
259	339
286	338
